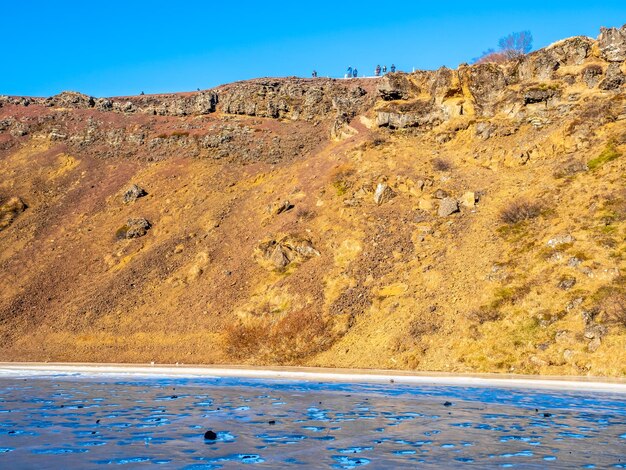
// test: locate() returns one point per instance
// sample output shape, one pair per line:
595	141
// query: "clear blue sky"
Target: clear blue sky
120	47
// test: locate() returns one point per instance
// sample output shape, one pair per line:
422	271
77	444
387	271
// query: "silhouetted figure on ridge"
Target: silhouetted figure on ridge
393	68
355	73
349	74
384	69
314	74
377	71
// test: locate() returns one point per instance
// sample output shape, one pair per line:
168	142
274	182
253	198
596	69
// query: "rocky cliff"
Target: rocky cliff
460	220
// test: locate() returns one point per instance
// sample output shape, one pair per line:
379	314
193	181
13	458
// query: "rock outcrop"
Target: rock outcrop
612	44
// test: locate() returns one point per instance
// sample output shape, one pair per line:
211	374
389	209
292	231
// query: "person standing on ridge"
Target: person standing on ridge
314	74
377	71
349	74
393	68
384	69
355	73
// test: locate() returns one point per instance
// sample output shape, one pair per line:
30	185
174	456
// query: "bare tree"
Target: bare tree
516	45
510	47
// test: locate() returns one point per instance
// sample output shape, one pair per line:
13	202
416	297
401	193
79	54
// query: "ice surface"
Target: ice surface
74	421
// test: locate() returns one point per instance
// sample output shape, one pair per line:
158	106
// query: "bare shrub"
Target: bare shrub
613	301
616	309
280	340
441	164
569	168
491	56
484	315
378	140
242	340
303	214
423	326
518	211
592	69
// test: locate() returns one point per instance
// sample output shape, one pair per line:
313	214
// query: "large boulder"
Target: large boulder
383	193
614	78
591	75
278	254
9	210
134	228
133	193
612	44
448	206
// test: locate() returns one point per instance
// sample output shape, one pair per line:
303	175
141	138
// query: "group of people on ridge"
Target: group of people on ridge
354	73
384	69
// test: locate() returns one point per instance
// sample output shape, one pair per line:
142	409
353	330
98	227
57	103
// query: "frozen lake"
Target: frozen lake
82	420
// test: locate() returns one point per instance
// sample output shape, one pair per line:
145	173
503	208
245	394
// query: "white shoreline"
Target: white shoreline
586	384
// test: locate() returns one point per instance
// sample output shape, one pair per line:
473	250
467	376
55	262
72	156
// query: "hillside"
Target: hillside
452	220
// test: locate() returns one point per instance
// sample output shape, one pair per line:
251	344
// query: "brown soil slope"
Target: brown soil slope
454	220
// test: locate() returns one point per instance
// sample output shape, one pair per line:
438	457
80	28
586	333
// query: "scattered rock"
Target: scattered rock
210	435
563	336
468	199
134	228
448	206
447	403
589	315
383	193
595	331
556	257
440	194
498	273
279	257
587	271
594	344
19	129
133	193
271	422
280	207
560	240
425	204
567	283
575	303
537	361
574	262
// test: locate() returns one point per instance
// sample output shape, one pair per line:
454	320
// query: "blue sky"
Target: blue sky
124	47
